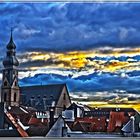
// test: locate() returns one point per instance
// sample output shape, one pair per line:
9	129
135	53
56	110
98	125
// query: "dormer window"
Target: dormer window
51	97
5	97
5	83
15	83
44	97
32	97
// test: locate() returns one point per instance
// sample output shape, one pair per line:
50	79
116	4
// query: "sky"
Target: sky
92	47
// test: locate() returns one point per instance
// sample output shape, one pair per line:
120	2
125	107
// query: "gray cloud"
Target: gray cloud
70	26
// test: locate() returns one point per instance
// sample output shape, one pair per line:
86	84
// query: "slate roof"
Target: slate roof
41	96
56	129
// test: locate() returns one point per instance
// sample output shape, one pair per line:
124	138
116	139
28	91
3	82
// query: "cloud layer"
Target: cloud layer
70	26
93	47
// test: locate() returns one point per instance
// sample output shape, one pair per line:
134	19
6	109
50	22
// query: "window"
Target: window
32	97
44	96
5	97
14	72
64	97
15	83
5	83
15	97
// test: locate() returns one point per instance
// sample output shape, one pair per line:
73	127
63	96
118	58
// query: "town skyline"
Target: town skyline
94	56
70	70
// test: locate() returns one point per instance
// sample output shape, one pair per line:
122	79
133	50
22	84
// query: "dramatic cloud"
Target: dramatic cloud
93	47
70	26
90	84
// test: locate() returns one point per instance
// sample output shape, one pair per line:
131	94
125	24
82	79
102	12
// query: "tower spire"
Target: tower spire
11	60
11	38
11	44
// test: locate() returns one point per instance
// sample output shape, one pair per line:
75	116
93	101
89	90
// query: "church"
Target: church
40	97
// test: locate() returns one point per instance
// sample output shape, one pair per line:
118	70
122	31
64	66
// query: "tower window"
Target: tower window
5	97
15	83
14	72
15	96
64	97
5	83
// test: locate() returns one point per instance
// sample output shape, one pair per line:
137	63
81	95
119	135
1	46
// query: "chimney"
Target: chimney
51	117
133	124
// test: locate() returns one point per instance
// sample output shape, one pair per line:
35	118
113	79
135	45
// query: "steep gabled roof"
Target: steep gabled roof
56	129
42	95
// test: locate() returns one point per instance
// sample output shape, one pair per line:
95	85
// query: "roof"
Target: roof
81	126
106	111
37	121
41	96
114	109
77	105
133	124
40	130
17	110
56	130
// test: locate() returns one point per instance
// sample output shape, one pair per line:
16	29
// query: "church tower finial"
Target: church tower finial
11	45
11	38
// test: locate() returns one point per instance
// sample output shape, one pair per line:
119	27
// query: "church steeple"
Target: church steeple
10	88
11	60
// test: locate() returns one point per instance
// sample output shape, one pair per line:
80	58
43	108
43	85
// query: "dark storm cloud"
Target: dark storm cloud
40	63
88	83
70	26
63	27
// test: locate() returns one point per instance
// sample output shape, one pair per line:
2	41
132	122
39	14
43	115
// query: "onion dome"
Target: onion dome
11	44
10	60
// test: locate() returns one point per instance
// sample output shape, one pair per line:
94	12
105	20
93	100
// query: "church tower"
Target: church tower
10	89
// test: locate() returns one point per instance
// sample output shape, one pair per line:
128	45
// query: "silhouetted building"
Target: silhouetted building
41	97
44	97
